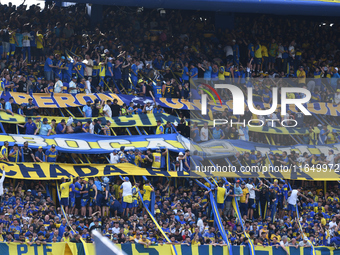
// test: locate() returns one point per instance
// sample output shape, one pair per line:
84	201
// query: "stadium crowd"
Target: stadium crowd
113	207
51	50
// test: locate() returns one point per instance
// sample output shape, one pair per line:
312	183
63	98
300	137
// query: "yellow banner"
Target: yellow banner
138	249
140	120
24	249
50	171
145	120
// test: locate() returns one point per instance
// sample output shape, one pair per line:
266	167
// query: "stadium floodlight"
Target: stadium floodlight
331	24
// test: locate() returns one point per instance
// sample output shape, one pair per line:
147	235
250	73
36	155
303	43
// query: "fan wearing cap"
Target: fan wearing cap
180	159
127	196
148	107
44	129
301	75
39	155
238	190
114	157
31	108
51	155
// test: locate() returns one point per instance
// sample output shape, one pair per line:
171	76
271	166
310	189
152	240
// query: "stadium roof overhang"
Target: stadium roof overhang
287	7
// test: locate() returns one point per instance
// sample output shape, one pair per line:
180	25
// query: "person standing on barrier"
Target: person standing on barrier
65	193
244	199
251	204
72	200
93	193
85	196
135	191
99	197
127	196
222	193
106	197
147	188
292	199
78	186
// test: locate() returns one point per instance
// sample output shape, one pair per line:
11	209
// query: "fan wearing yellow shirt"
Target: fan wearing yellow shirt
244	199
264	52
221	195
221	73
301	75
147	189
40	44
258	55
65	193
331	137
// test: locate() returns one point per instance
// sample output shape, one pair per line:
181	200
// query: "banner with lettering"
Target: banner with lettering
74	100
84	143
139	249
146	120
139	120
50	171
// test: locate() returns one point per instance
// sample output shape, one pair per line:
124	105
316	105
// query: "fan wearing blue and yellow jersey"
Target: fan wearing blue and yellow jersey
159	128
147	189
15	154
4	151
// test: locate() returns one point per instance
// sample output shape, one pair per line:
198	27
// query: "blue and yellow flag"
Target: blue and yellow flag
239	216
